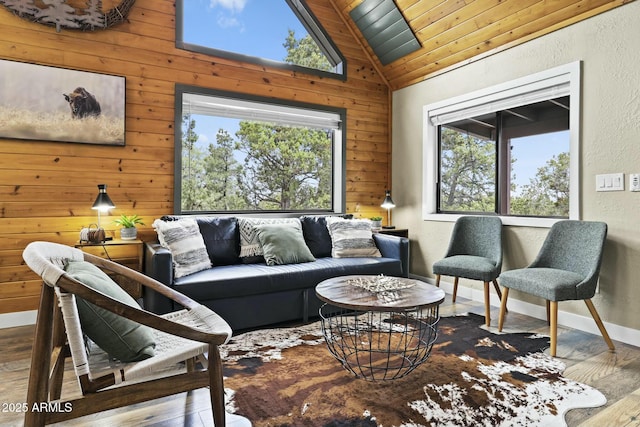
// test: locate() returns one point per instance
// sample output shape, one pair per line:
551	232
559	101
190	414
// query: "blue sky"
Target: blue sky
252	27
532	152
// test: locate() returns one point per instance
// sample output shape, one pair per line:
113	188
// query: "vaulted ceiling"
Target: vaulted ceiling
455	32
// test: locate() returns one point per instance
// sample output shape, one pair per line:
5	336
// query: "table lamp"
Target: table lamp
388	204
103	203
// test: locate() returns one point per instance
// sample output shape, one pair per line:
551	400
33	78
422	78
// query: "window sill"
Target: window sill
506	220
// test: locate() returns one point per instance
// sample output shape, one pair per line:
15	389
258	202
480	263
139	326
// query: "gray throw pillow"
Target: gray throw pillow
121	338
283	244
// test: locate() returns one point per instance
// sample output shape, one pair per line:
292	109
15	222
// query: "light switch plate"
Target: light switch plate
634	182
610	182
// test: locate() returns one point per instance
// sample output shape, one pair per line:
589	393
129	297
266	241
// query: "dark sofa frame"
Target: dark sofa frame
254	295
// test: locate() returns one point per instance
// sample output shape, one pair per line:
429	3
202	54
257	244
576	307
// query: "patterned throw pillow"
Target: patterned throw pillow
249	241
186	244
351	238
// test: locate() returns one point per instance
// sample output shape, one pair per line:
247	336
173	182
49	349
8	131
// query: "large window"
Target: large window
510	150
510	162
278	33
235	154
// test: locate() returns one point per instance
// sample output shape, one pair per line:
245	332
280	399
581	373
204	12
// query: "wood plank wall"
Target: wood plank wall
47	188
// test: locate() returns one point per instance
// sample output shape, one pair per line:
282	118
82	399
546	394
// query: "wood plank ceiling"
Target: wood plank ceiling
455	32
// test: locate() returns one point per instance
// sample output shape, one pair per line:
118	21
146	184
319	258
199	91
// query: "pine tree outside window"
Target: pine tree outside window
249	154
510	162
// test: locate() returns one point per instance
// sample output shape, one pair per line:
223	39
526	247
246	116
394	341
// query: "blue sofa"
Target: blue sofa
248	293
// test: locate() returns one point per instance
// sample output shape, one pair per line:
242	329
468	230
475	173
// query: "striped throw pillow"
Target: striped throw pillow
351	238
186	244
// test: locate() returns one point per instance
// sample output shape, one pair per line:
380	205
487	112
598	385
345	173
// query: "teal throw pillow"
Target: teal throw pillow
283	244
121	338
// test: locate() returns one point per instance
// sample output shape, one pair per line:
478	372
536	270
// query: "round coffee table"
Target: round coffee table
379	327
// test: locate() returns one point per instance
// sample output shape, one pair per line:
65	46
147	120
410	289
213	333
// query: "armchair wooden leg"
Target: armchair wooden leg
216	386
503	308
455	289
553	326
497	287
60	351
191	364
596	317
38	388
548	312
59	354
487	305
437	280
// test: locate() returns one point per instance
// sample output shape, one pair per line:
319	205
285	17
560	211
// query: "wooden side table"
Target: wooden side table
126	252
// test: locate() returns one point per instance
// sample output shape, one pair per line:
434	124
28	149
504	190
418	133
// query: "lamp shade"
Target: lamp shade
387	203
103	202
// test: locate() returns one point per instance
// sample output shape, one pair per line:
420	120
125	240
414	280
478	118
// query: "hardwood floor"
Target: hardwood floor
588	360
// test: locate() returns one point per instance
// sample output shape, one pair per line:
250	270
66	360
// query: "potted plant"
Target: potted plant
128	224
376	222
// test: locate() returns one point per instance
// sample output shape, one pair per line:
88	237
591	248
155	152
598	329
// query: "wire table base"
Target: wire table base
380	345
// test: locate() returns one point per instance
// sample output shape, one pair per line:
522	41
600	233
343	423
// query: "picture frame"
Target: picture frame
45	103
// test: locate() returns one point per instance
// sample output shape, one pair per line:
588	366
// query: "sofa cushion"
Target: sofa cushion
231	281
283	244
249	241
316	234
351	238
222	239
185	242
121	338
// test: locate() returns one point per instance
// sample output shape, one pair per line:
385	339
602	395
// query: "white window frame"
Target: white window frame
549	84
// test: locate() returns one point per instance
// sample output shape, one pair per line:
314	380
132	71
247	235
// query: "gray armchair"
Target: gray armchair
475	252
566	268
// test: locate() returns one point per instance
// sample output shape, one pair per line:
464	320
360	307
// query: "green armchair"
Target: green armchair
566	268
475	252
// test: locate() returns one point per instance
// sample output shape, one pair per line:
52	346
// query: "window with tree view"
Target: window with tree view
511	162
257	155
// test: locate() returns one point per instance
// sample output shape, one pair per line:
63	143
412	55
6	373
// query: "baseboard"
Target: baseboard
21	318
570	320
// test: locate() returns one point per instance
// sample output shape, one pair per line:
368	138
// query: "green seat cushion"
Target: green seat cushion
121	338
549	283
467	266
283	244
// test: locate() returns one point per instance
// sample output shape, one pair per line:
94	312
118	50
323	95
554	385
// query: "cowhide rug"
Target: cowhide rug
287	377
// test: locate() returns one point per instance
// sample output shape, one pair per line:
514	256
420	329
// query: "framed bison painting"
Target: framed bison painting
55	104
